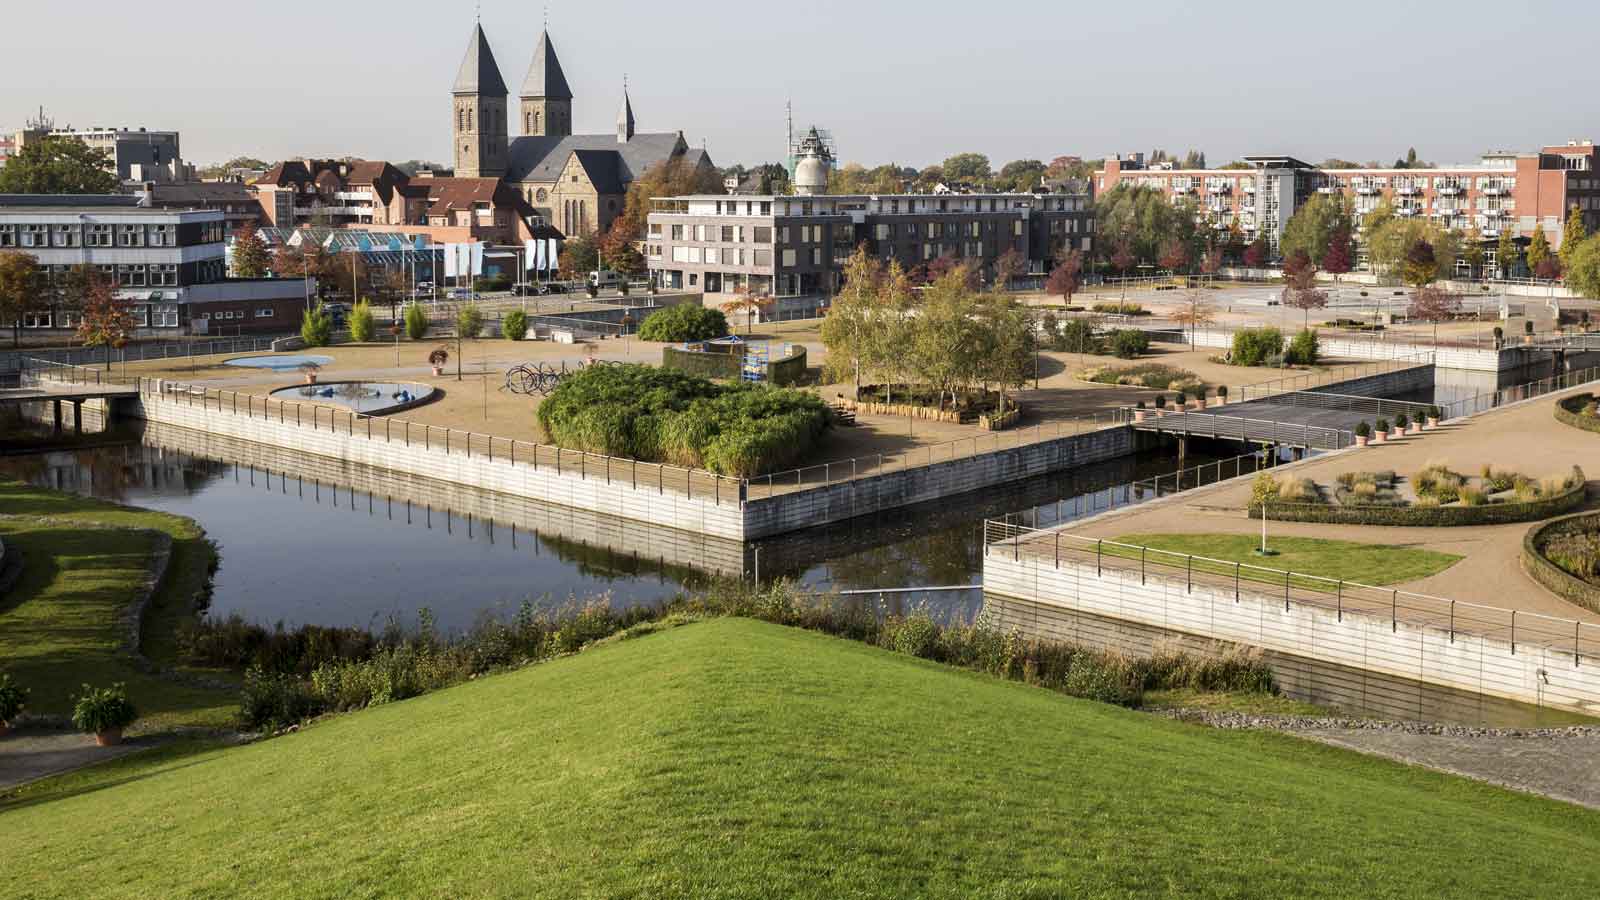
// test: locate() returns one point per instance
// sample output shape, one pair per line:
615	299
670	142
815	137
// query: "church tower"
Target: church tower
479	98
625	117
546	99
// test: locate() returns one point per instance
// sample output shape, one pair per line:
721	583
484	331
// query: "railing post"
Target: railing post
1099	546
1058	549
1189	588
1394	615
1142	553
1452	621
1286	576
1340	606
1513	632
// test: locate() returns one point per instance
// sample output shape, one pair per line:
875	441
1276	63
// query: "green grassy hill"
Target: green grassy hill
739	759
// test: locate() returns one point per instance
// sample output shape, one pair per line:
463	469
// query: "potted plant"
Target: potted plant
1381	432
1499	337
1222	395
1161	405
1527	331
437	359
1413	425
13	698
104	712
1139	412
1401	422
1200	398
1363	434
1434	415
310	370
1181	402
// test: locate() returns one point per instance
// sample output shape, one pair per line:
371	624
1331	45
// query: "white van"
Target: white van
604	279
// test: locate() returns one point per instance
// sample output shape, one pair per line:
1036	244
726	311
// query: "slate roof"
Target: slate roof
602	168
542	158
545	78
479	73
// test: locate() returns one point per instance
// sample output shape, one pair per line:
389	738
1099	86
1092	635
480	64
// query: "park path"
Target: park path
31	755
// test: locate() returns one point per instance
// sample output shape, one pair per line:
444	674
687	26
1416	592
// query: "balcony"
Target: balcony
1493	190
1448	190
1407	190
1407	211
1366	188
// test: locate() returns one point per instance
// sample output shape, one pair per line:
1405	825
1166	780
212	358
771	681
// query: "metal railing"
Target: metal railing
1487	400
138	352
1521	629
1240	428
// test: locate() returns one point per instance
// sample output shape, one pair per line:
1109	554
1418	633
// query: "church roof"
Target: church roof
603	168
625	116
543	158
479	73
545	78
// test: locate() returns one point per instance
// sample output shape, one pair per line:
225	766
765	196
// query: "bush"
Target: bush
1564	556
469	320
362	326
1129	343
416	320
491	284
515	325
1150	375
682	323
1579	411
1363	430
1256	346
316	327
13	698
103	709
1304	349
1120	309
656	415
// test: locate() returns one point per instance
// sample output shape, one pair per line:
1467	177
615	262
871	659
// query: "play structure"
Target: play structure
733	357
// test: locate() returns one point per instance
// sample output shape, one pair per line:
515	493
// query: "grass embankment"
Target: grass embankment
1374	564
61	626
733	758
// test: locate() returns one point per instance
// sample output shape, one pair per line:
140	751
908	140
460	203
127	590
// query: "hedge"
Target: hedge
1566	414
792	370
1557	580
682	323
780	373
1433	516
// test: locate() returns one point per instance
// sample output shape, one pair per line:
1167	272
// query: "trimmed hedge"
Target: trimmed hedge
780	373
682	323
792	370
1555	579
1569	412
1433	516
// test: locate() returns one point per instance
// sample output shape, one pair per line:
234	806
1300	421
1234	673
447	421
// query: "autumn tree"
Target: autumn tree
250	256
1421	266
1195	314
1010	264
1538	250
1255	253
579	256
19	289
847	327
1175	255
1339	258
1572	235
1312	227
1122	258
1064	277
1472	253
1211	261
106	318
58	165
1433	304
747	302
1506	253
1300	276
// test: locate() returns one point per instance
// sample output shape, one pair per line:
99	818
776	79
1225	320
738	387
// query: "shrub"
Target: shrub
1222	392
1129	343
438	357
13	698
1120	309
1077	336
1383	426
1401	421
656	415
915	635
1293	489
316	327
103	709
1255	346
490	284
1363	430
1304	349
515	325
1150	375
1471	496
417	324
362	326
469	320
682	323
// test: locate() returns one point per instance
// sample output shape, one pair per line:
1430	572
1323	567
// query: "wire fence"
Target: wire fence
139	352
1521	629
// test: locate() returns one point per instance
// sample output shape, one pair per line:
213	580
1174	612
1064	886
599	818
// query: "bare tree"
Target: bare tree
1433	304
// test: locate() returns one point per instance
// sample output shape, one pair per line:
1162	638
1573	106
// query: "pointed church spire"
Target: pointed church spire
545	79
625	116
479	73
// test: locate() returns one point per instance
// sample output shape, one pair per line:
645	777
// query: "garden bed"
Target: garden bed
1155	376
1564	557
1579	411
922	402
1439	498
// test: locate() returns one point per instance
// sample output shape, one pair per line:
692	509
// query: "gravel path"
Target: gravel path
30	755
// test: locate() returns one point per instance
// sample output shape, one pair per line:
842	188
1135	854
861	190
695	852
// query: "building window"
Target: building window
35	236
164	316
36	319
763	234
788	257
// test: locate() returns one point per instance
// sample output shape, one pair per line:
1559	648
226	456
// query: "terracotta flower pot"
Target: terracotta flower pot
1380	437
437	371
1139	415
1432	423
1397	434
111	737
311	378
1362	440
1200	403
1414	428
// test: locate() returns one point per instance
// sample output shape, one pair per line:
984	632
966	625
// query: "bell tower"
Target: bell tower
546	98
479	98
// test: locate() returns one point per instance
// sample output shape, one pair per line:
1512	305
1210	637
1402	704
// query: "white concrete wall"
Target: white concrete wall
1474	359
1427	654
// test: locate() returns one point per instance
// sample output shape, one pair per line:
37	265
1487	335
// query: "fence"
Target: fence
1578	640
1487	400
18	360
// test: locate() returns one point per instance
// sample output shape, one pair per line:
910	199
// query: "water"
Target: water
370	397
279	362
306	540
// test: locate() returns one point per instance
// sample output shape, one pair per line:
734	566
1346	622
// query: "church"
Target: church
576	182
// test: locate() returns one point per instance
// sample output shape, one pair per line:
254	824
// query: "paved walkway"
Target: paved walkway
30	755
1525	437
1563	767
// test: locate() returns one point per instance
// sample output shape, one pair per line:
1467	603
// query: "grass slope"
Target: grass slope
1373	564
738	759
61	626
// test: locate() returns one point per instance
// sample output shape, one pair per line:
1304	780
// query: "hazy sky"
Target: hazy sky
904	82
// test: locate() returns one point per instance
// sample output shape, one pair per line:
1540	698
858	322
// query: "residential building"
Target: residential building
796	246
136	154
169	262
235	200
8	146
1503	191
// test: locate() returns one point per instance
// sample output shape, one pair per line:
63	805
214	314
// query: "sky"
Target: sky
903	82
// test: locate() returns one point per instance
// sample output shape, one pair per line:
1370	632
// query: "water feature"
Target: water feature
373	398
282	362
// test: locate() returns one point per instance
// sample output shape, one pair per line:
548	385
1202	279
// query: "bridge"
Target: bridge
1309	419
58	385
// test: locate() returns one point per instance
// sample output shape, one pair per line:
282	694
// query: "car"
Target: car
424	285
604	279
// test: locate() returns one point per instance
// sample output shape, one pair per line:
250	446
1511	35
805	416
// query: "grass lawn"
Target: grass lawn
1374	564
61	626
734	758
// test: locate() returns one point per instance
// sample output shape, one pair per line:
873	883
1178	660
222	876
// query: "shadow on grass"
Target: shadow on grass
158	760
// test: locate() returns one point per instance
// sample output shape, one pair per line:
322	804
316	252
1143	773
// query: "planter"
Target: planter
111	737
1397	434
1431	424
1200	403
1380	437
1414	428
1139	415
311	378
1361	441
438	371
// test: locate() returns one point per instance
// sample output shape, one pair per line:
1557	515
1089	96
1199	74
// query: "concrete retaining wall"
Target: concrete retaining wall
1469	358
833	503
1531	674
1384	384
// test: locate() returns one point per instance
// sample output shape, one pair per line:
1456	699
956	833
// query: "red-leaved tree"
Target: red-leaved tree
1064	277
106	319
1433	304
1175	256
1339	258
1255	254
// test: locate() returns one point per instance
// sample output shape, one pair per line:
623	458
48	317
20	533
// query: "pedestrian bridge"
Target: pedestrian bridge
1308	419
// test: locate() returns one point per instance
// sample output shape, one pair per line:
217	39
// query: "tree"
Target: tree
847	327
579	257
1473	255
1196	313
1421	265
1305	300
1010	340
19	289
1064	277
1010	264
1340	256
1312	227
1506	253
1300	273
1234	247
1572	235
967	167
1122	257
250	256
1019	175
1548	268
947	346
1211	261
362	325
1433	304
1255	254
1538	249
1174	255
1146	219
748	302
1583	271
674	177
469	321
316	327
58	165
106	318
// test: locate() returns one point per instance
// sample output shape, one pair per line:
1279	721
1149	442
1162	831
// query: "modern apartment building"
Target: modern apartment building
1503	191
796	246
136	154
170	263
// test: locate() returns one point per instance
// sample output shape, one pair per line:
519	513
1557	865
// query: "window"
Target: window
680	254
36	319
1016	228
677	232
788	257
700	232
8	235
881	231
783	234
763	257
763	234
164	316
713	256
727	234
66	236
694	254
35	236
816	256
130	235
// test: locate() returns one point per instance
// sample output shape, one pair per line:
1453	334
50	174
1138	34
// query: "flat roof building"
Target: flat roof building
136	154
